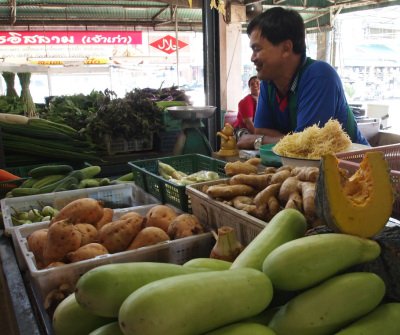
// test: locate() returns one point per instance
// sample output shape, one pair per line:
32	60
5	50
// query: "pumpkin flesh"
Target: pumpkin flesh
361	204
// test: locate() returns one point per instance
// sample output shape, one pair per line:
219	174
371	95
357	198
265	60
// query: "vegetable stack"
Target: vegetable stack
285	281
27	137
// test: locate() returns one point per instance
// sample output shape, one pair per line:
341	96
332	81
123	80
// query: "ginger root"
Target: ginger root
259	181
244	203
264	195
268	198
247	167
306	173
229	191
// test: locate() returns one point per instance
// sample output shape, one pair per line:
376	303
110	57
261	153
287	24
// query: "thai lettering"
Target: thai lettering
70	37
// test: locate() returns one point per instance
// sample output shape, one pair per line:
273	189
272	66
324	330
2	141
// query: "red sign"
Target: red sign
70	37
168	44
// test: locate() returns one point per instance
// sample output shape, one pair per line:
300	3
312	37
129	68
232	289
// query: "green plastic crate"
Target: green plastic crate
145	175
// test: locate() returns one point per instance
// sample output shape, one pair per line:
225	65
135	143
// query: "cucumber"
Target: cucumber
78	174
29	182
90	171
47	180
243	328
110	329
88	182
209	263
70	318
67	184
294	265
328	307
285	226
385	320
24	191
46	170
126	177
103	289
195	303
104	182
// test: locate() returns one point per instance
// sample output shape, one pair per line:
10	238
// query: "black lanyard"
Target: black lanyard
292	103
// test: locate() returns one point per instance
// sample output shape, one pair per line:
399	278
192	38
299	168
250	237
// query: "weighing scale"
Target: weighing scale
192	139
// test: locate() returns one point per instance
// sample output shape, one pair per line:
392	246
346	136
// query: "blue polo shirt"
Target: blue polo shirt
320	97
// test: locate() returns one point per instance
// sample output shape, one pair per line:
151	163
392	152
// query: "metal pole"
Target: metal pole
212	85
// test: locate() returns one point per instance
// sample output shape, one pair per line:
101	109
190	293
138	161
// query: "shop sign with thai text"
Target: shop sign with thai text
70	37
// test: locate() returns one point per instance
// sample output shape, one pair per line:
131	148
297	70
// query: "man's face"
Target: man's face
266	57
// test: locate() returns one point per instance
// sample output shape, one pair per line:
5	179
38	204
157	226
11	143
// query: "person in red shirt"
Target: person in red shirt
247	107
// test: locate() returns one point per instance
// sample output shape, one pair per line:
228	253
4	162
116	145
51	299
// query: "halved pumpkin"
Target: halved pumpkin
358	205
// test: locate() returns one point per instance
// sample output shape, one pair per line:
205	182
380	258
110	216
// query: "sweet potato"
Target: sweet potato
88	232
36	243
107	217
62	238
87	251
185	225
148	236
131	214
84	210
160	216
117	235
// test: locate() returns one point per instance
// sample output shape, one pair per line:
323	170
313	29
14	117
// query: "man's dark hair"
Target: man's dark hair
251	78
278	24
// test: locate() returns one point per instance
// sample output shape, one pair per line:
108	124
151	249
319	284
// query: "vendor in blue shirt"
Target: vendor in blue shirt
296	91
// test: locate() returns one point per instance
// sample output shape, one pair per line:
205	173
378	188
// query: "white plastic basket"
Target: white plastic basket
218	214
113	196
175	251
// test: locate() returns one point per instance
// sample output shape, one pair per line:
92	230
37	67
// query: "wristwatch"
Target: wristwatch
258	142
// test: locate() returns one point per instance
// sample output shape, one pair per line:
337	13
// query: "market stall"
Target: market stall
218	199
266	215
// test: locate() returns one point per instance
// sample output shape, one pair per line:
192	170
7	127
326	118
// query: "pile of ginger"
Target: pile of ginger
263	194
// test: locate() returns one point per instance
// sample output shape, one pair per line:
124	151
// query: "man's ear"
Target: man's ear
287	47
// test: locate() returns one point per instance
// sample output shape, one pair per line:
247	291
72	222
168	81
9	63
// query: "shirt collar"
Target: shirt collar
295	81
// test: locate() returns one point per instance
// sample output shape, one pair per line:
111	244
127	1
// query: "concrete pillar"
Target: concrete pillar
231	64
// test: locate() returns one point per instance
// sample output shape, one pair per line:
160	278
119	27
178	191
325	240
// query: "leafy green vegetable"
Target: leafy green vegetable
73	110
26	97
9	78
134	116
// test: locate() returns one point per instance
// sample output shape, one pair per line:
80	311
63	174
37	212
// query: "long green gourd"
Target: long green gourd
109	329
243	328
196	303
385	320
328	307
306	261
285	226
103	289
70	318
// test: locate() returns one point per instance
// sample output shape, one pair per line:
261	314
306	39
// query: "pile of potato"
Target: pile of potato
84	229
264	193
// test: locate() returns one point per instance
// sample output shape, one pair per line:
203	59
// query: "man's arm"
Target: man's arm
246	141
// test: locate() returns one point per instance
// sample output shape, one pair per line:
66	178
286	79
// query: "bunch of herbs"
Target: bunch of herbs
133	117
